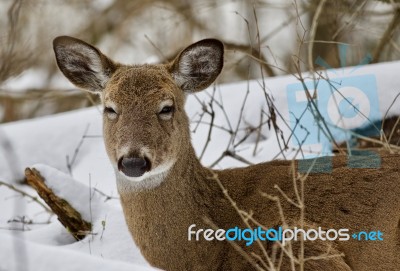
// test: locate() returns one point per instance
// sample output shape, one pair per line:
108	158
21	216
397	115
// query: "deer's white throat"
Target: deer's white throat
148	180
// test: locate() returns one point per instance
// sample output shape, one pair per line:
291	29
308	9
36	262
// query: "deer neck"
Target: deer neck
158	218
182	194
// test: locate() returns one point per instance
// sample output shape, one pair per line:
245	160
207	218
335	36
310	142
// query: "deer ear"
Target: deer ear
197	66
84	65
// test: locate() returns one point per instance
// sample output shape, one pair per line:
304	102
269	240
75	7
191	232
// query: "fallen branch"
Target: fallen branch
67	215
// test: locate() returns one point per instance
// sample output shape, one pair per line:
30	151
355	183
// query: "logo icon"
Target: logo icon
325	111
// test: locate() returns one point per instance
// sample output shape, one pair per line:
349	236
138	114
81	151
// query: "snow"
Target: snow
107	221
19	254
45	143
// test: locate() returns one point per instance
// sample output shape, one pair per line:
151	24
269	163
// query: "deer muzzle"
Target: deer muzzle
134	166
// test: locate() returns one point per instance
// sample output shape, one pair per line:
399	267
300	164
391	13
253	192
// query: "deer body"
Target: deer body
164	189
374	204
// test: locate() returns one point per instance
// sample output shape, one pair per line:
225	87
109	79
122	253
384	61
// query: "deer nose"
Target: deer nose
134	166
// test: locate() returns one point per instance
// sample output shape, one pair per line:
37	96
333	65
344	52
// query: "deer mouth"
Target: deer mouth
134	166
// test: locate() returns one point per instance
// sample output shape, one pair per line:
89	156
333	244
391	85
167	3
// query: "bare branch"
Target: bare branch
387	35
24	194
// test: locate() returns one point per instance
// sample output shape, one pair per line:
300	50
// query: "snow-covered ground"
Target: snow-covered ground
68	150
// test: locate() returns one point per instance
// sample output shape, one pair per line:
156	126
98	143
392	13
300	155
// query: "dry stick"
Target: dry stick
280	27
67	215
107	197
233	133
395	46
259	130
230	130
24	221
92	101
335	89
198	122
254	52
302	217
301	198
311	64
289	251
245	221
12	229
271	106
273	109
235	246
300	205
312	35
260	61
7	54
297	64
71	162
211	126
327	42
249	131
238	157
24	194
384	142
221	106
383	122
376	141
259	258
324	256
394	129
387	36
352	17
242	111
248	217
317	114
159	51
201	115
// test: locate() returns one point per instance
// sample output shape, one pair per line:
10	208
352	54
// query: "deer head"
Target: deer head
146	129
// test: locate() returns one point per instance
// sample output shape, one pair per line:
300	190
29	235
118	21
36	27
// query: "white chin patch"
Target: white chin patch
150	179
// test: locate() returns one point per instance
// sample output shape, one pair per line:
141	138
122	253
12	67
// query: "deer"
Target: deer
166	192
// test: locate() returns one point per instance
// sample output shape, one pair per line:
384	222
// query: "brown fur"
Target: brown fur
158	217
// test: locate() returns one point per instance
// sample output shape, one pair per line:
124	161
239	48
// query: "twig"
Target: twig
253	53
24	194
313	31
236	246
272	118
245	221
394	129
107	197
71	162
387	36
258	136
26	221
160	53
352	17
211	126
8	54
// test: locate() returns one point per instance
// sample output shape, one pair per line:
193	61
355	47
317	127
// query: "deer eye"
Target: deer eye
166	112
110	112
167	109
